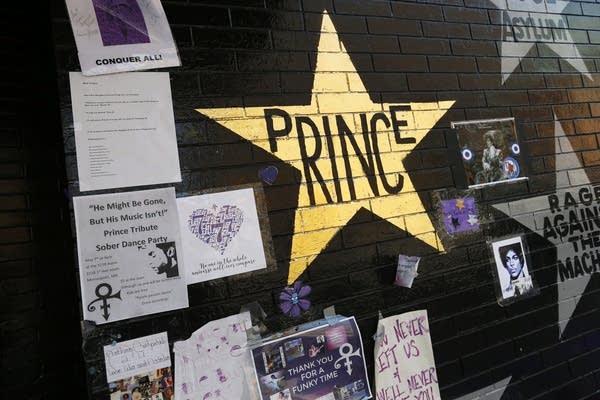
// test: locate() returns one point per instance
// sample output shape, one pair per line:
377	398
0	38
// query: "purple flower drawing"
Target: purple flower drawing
293	299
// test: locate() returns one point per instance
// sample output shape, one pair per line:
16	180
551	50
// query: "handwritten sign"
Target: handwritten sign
322	363
136	356
406	271
404	364
214	361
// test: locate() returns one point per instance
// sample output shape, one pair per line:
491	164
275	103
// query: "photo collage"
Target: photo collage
155	385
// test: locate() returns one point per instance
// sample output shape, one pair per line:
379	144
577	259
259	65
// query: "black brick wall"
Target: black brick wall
39	329
260	53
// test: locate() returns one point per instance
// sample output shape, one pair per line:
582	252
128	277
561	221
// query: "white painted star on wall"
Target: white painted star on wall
526	23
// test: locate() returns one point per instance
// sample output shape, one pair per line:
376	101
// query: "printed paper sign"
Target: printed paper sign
124	130
121	35
127	245
136	356
323	363
221	235
214	361
404	364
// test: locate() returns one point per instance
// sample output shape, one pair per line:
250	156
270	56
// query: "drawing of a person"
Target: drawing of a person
161	258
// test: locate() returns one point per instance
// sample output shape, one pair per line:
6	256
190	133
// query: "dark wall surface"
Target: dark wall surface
448	61
39	328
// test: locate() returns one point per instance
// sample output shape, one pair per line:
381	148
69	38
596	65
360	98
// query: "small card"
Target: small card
406	271
137	356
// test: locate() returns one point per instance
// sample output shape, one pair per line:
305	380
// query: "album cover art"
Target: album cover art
490	151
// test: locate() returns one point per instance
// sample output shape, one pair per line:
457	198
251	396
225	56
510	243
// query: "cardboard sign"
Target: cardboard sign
322	363
404	364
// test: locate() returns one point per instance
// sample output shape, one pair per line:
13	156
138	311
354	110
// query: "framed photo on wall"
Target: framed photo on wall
490	151
512	269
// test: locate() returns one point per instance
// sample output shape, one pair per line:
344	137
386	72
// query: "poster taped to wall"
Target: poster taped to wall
512	269
490	151
124	130
139	368
404	362
322	363
128	245
215	363
121	35
221	234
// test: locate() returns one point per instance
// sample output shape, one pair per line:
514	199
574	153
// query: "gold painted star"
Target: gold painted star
460	204
350	151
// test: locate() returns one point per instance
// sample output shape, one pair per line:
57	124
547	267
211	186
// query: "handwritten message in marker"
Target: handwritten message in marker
404	363
137	356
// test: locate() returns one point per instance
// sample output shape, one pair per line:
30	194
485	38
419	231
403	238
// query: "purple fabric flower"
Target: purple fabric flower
293	300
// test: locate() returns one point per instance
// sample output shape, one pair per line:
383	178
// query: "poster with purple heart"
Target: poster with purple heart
220	234
129	253
322	363
121	35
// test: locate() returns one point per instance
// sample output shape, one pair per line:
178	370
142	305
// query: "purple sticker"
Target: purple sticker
120	22
460	215
268	175
218	228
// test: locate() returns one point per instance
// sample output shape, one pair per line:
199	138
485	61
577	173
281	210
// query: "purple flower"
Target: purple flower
293	300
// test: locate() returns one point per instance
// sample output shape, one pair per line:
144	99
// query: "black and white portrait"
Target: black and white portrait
161	258
511	265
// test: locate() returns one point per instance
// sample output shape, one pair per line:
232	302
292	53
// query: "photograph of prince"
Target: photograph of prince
511	264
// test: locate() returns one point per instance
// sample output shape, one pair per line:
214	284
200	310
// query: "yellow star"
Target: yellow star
460	204
349	149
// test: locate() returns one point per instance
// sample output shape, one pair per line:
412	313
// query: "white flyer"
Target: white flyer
220	235
121	35
124	130
128	244
404	363
136	356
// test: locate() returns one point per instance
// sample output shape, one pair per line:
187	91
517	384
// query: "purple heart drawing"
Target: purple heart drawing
216	228
269	174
